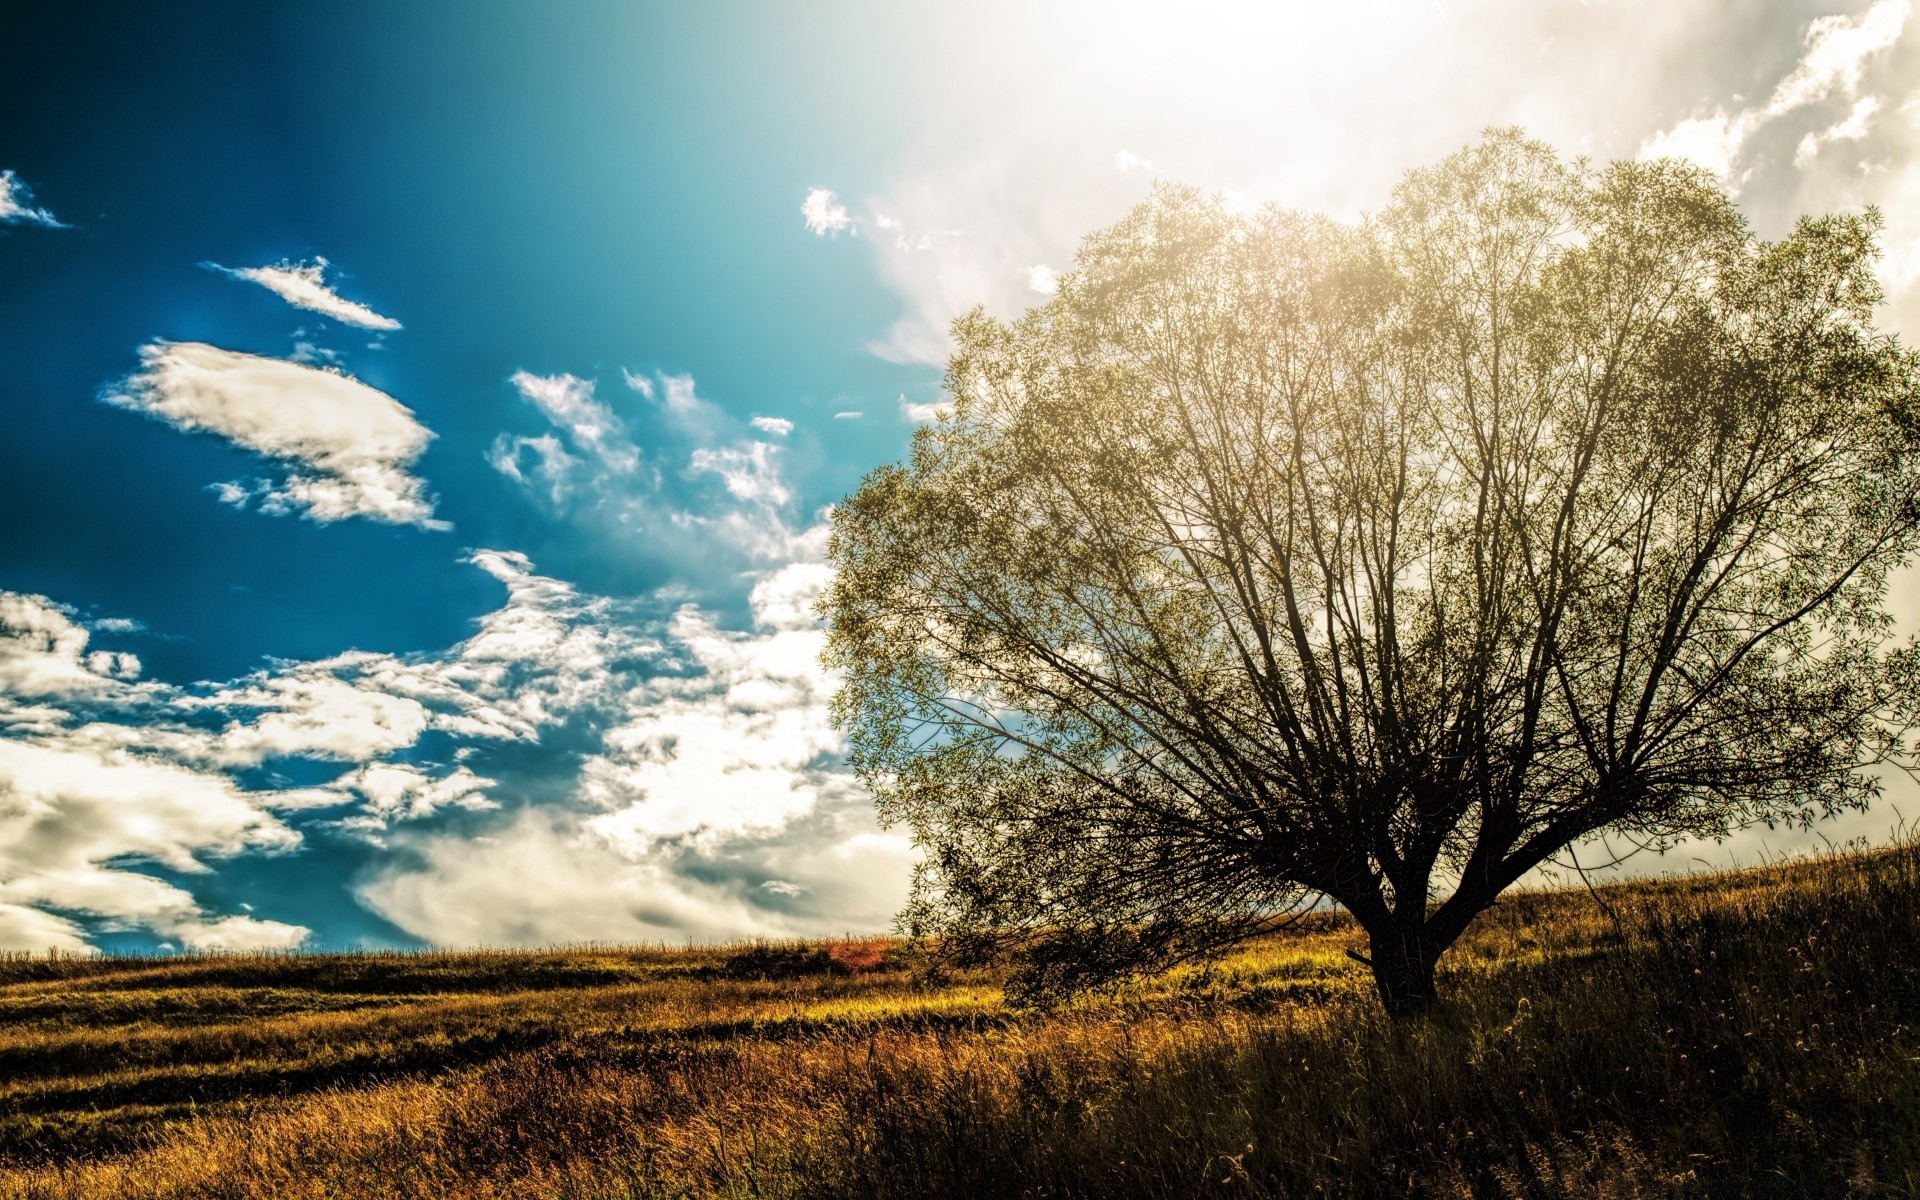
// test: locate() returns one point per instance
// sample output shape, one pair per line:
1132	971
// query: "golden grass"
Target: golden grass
1746	1034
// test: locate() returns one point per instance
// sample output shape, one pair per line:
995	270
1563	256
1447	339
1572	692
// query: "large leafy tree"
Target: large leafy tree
1277	559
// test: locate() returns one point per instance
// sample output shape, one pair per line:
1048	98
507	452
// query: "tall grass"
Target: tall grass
1752	1034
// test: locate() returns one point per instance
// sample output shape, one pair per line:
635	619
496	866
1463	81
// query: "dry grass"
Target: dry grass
1749	1034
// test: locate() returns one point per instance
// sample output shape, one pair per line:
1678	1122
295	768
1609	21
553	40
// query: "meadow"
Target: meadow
1745	1034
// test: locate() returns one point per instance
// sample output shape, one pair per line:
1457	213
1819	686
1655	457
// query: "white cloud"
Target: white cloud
1325	110
567	402
44	655
825	215
1127	161
1851	128
848	414
399	792
639	383
716	807
1712	142
100	772
304	285
348	446
68	812
568	886
679	396
17	207
1042	279
539	464
309	711
1838	50
719	753
923	414
750	471
590	470
785	599
712	770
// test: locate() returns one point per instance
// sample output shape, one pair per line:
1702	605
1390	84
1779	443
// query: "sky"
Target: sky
420	420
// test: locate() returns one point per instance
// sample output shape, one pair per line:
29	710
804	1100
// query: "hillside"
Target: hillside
1742	1034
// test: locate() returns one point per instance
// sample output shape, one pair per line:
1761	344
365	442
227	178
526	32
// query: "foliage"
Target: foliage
1276	559
1741	1035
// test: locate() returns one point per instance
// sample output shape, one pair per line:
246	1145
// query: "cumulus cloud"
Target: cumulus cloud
348	447
729	747
402	792
78	807
17	206
66	814
710	801
1127	161
1851	128
1042	279
824	214
304	285
777	426
44	655
818	877
601	449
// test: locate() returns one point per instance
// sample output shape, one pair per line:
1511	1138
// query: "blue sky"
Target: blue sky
420	417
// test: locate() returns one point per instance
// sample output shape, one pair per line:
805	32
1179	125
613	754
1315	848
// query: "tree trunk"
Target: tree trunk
1403	961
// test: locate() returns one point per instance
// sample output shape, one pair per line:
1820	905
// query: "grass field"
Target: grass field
1754	1034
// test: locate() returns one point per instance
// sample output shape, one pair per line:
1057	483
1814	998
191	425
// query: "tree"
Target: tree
1277	559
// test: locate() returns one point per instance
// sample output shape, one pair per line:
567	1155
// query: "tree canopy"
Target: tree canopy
1277	559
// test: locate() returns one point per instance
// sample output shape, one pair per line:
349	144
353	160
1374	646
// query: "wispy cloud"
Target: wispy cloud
824	214
658	495
17	206
304	285
567	402
349	447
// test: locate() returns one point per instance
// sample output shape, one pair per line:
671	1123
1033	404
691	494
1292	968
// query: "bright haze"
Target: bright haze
420	418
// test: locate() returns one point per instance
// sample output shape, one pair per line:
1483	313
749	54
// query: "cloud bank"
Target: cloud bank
348	447
706	795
